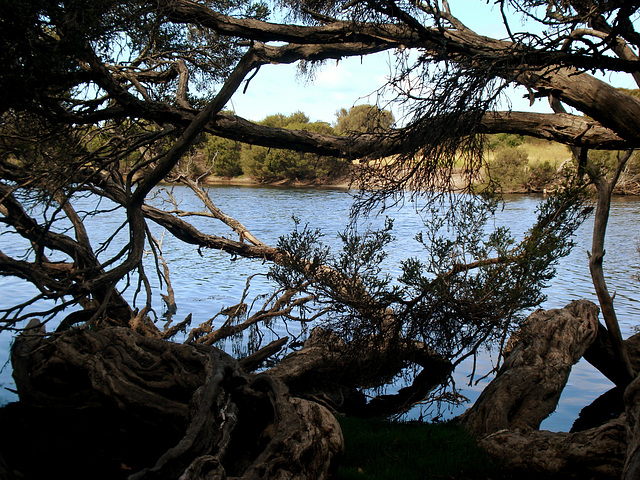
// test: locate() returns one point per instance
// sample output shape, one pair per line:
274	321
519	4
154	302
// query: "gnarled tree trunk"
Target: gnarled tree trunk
507	415
232	424
527	387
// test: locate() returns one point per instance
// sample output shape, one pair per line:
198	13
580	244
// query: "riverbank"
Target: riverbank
517	164
244	180
628	184
344	182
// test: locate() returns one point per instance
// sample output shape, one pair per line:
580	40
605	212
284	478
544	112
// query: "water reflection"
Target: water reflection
206	281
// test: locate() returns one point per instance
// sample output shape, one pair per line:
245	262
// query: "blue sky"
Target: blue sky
279	88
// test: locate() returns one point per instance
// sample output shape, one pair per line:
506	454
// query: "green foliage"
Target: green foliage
232	159
500	140
268	164
280	120
457	308
470	288
54	154
607	161
305	253
541	174
363	119
509	168
383	450
225	154
354	274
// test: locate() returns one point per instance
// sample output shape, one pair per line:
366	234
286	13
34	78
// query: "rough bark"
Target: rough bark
563	128
233	424
329	372
591	96
595	453
527	387
632	401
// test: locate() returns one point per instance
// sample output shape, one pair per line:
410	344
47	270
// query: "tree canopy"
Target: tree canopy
363	119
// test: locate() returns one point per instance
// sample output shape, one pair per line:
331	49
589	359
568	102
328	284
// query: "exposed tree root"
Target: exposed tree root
508	413
231	424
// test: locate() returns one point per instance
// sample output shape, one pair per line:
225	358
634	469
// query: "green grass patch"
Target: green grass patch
380	450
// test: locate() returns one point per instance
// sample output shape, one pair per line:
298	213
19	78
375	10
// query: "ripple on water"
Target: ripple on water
207	281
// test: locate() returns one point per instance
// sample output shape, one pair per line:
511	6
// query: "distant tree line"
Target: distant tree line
229	158
510	165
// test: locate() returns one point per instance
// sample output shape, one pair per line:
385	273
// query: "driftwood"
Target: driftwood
528	386
232	424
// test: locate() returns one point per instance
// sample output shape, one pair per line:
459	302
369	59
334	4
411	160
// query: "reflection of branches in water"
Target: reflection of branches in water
12	318
50	223
46	228
245	325
247	328
163	276
442	400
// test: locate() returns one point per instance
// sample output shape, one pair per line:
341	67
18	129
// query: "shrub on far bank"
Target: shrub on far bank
509	168
363	119
629	182
269	164
225	155
505	140
541	175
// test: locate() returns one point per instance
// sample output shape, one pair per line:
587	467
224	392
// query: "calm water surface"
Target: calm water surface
206	281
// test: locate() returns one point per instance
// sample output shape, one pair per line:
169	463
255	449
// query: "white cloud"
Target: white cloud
280	89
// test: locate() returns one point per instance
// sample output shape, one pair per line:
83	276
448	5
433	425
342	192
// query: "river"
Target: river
206	281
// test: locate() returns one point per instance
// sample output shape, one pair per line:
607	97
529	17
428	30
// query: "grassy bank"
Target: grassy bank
382	450
524	164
